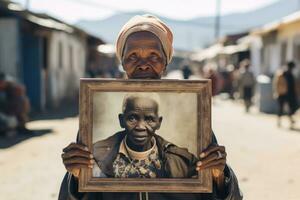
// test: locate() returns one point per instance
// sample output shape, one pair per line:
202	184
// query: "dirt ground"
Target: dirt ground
265	159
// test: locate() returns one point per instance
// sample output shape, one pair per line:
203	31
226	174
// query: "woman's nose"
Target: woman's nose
143	67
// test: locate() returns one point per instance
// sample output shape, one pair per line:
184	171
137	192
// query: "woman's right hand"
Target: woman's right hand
75	157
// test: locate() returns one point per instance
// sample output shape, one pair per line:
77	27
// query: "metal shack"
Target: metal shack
45	54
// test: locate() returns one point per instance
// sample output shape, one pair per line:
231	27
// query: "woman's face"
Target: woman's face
143	56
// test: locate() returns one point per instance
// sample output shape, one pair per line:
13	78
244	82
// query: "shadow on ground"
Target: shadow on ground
65	111
295	130
6	142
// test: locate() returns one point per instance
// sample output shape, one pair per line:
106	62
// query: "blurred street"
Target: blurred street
32	169
250	50
266	159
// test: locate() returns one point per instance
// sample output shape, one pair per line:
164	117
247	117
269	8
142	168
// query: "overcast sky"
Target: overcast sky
74	10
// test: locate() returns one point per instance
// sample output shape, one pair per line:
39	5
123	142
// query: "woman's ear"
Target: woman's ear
121	120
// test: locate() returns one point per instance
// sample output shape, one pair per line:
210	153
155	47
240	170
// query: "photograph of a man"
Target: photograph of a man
137	151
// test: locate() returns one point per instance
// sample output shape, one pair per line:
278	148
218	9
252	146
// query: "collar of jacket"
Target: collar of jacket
106	151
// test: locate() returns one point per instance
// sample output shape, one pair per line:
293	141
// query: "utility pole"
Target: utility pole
217	22
27	3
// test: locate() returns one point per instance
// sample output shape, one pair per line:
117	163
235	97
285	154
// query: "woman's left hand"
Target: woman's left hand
214	158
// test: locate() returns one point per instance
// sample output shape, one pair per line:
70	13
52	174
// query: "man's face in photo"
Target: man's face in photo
140	120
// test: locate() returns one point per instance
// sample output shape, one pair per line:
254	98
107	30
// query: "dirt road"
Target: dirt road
266	159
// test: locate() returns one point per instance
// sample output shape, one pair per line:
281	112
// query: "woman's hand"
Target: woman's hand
214	158
76	156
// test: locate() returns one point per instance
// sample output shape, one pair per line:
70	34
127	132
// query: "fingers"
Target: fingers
213	157
212	149
78	160
76	153
75	146
75	157
216	164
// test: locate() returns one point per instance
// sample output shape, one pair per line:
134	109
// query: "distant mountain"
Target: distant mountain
197	32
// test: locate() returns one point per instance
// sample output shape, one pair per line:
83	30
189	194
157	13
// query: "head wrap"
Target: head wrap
148	23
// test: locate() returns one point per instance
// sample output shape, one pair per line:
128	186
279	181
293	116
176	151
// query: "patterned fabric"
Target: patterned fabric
148	167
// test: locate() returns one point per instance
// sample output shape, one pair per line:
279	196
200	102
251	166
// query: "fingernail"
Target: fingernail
91	156
90	166
85	148
198	168
92	161
202	155
199	163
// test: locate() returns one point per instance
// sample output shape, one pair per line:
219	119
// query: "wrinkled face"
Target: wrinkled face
143	56
140	120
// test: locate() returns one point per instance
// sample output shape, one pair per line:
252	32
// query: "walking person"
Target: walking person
247	83
284	89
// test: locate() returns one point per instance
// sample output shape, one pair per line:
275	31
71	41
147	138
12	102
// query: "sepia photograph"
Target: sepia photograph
145	133
141	125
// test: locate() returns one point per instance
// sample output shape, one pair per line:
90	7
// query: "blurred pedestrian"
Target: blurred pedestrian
246	83
284	89
227	77
18	105
186	72
216	80
8	124
14	107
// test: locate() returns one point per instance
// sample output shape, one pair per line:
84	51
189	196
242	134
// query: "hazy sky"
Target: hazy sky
73	10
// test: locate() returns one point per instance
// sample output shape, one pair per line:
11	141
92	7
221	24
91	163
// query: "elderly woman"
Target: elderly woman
144	47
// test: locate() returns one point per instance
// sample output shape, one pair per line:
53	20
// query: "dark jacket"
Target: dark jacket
177	162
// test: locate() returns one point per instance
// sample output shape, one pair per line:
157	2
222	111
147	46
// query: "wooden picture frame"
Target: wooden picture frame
201	88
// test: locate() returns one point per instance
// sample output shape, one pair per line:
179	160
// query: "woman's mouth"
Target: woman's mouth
144	75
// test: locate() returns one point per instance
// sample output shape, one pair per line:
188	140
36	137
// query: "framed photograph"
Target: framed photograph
145	135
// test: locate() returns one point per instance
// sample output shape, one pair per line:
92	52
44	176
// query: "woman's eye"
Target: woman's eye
132	57
154	58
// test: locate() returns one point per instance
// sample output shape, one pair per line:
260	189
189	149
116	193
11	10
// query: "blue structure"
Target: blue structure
32	57
29	53
39	51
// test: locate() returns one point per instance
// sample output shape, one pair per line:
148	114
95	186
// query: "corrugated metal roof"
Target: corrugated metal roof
49	23
218	49
208	53
107	49
43	20
277	24
231	49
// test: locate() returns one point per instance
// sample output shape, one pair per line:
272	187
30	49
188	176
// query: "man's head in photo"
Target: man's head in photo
140	118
